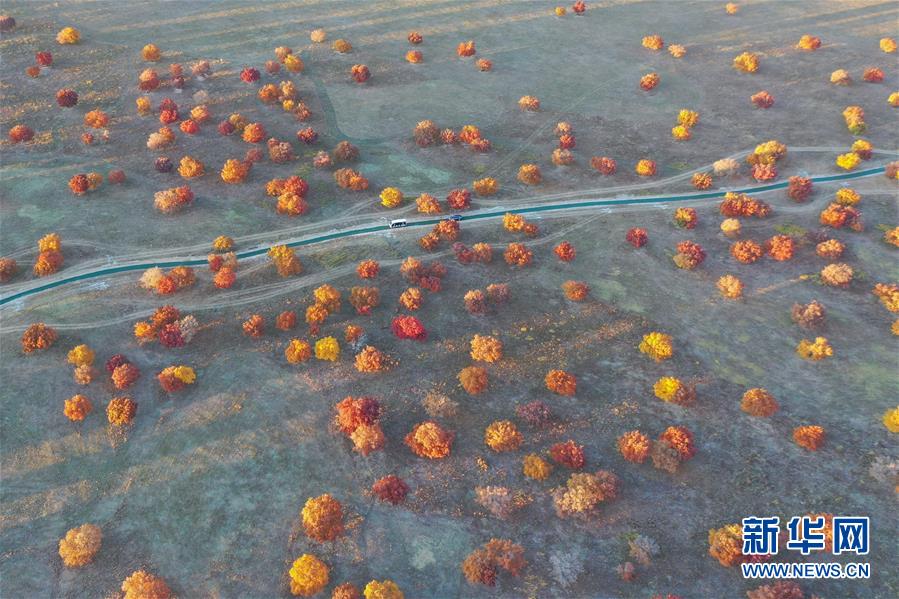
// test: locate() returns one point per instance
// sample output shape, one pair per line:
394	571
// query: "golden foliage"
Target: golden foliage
815	350
428	440
502	435
308	576
386	589
80	545
747	62
285	260
730	287
77	408
672	390
634	446
645	168
297	351
486	349
121	410
486	186
653	42
327	348
891	419
68	35
143	585
81	355
391	197
367	438
322	518
657	346
888	294
529	174
235	171
371	359
726	544
583	492
533	466
837	274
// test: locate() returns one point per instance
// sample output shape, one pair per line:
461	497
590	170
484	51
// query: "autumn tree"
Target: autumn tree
390	489
758	402
322	518
657	346
535	467
371	359
809	437
561	382
77	408
517	254
411	298
286	320
368	438
364	299
297	351
569	454
285	260
254	326
327	349
125	375
486	349
368	269
536	413
634	446
583	492
308	576
382	589
429	440
575	291
121	411
673	390
175	378
473	379
80	545
637	237
565	251
38	337
808	316
725	545
689	255
502	435
498	293
143	585
409	327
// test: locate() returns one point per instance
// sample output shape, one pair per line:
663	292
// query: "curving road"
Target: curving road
353	232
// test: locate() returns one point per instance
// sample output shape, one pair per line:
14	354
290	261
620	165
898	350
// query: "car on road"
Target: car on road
455	217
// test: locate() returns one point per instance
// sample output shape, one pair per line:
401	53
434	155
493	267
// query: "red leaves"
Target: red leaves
409	327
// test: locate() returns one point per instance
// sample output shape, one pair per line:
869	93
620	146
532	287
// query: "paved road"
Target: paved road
549	207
